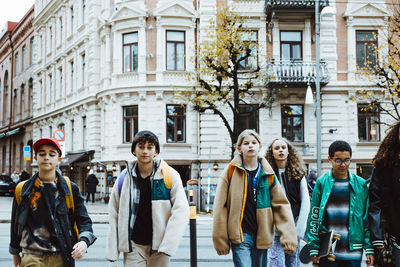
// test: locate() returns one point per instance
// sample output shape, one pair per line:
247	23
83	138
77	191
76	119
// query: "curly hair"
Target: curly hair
294	165
388	151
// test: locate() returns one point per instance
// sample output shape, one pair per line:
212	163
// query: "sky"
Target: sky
13	10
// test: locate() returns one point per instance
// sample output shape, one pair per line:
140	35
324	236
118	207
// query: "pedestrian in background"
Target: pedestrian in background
15	176
289	168
248	203
42	227
91	184
147	215
24	175
311	180
340	203
384	190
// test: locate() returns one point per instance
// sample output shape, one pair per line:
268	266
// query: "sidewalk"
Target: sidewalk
98	212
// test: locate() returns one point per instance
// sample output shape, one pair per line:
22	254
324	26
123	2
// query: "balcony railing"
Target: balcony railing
291	6
295	72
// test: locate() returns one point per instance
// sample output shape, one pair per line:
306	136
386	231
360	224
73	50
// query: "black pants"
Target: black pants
88	197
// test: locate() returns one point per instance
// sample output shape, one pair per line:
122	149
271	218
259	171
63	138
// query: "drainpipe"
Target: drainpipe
11	102
317	87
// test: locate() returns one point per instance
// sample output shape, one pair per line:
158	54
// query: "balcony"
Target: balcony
294	73
273	7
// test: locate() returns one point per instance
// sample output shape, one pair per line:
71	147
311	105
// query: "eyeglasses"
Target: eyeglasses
340	162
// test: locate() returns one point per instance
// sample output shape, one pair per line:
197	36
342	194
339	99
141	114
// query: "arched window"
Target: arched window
5	98
30	95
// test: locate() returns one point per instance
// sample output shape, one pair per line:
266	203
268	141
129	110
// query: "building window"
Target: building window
22	103
30	86
14	105
291	45
61	126
175	50
368	123
83	70
366	49
176	123
51	131
83	11
130	50
250	63
50	88
130	120
292	122
41	93
72	135
84	129
60	21
365	170
72	78
248	118
50	38
16	63
32	47
71	11
23	57
60	82
5	98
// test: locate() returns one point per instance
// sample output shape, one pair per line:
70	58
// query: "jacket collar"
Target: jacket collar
156	165
349	174
237	161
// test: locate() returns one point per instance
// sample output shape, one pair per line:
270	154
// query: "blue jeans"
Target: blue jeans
246	254
324	262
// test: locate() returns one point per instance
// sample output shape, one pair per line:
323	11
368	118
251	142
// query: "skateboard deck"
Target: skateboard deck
327	244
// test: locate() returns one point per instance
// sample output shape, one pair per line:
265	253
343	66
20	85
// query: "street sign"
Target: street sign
59	135
27	153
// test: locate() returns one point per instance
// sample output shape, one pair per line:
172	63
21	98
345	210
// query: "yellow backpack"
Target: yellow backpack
69	200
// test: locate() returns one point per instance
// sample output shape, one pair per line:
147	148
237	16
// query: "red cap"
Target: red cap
48	141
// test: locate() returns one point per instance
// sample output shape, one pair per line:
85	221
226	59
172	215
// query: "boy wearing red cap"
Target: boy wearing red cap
42	223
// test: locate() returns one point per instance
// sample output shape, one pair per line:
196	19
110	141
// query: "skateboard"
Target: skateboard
327	245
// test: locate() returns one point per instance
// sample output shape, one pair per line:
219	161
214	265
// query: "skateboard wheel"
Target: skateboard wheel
331	257
336	236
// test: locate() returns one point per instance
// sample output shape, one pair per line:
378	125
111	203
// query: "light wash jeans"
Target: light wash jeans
246	254
278	258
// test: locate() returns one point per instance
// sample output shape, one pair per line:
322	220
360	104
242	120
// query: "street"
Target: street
95	256
206	255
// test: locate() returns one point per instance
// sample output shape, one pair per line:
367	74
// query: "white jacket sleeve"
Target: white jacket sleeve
179	218
112	252
301	224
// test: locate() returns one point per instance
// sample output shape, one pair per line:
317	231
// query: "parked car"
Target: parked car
7	185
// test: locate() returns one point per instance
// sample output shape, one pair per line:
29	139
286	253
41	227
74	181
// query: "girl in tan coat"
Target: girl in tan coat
249	202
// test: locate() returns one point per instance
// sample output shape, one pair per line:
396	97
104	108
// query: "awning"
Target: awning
75	157
9	133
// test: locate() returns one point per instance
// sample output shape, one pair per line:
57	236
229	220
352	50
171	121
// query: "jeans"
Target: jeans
278	258
246	254
324	262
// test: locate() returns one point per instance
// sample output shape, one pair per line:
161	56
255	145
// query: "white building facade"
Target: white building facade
107	69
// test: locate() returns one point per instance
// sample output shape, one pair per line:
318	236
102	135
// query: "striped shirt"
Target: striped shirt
337	218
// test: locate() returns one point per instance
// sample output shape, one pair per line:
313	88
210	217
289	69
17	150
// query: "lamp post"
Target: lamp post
317	86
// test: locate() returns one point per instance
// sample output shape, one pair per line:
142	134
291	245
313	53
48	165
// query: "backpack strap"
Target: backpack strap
18	191
69	200
167	176
231	169
121	179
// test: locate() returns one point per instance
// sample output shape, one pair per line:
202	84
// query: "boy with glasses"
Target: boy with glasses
340	202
